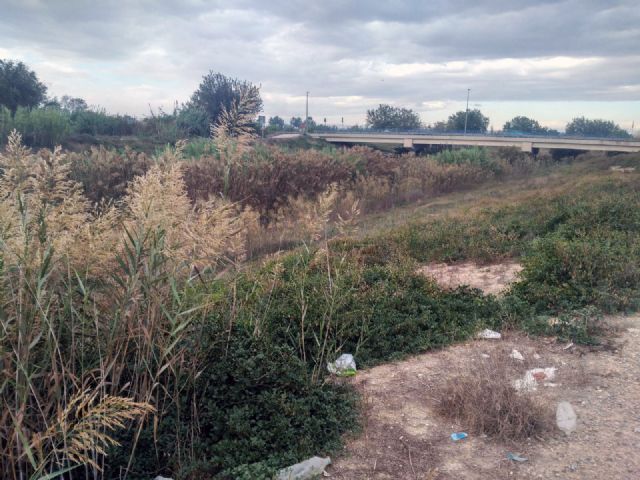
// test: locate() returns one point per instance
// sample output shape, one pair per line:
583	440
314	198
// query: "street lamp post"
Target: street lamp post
306	118
466	113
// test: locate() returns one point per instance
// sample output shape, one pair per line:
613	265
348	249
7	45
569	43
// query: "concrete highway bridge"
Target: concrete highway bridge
525	143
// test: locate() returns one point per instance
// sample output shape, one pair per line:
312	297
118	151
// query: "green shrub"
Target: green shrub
255	412
42	127
601	267
473	156
354	301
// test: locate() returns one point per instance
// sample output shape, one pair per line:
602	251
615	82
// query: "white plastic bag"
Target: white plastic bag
344	366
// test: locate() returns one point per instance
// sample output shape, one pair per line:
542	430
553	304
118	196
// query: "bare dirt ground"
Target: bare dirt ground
403	437
492	279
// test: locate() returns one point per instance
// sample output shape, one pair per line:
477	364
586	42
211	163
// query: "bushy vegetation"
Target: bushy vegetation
131	326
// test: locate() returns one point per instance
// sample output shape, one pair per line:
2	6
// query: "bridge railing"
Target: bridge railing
499	134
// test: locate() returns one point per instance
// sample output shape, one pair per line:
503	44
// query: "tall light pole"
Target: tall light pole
306	116
466	113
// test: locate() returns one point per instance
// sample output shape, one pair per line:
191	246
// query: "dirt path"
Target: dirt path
403	437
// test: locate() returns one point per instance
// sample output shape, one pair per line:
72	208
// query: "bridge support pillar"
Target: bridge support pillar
526	147
407	143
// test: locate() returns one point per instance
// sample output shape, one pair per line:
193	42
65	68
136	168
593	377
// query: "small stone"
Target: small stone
489	334
566	418
516	355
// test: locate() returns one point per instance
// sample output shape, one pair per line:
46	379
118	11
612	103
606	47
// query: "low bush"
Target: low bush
482	398
254	412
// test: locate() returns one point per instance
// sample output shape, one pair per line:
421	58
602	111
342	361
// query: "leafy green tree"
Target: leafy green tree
193	121
390	117
439	126
595	128
476	122
295	122
276	123
523	124
19	86
218	92
73	104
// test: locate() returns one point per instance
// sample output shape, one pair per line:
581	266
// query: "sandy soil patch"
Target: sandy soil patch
404	438
491	279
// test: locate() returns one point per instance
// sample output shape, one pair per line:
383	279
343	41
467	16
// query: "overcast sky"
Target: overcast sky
551	60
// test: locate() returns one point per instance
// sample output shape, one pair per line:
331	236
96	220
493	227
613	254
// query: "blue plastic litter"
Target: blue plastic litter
458	436
515	457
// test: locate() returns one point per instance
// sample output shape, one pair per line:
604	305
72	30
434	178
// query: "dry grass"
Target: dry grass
483	400
92	312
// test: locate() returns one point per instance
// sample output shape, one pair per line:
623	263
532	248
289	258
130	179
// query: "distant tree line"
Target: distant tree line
44	121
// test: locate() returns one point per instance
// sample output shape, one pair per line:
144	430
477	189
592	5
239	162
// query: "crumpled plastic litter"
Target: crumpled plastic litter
344	366
529	383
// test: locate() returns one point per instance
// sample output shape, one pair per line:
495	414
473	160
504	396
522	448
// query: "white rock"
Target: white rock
516	355
489	334
308	469
566	418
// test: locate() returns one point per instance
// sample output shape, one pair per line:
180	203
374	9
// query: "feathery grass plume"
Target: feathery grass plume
198	234
41	206
318	218
236	122
82	431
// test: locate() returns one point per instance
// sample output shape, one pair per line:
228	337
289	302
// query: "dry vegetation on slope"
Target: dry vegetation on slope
113	299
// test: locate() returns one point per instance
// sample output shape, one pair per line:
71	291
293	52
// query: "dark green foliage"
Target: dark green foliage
582	326
472	156
217	92
41	127
476	122
526	125
393	118
98	122
255	412
365	300
19	86
276	123
595	128
578	249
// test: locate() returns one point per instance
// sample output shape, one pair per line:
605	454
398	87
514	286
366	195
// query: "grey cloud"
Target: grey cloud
338	47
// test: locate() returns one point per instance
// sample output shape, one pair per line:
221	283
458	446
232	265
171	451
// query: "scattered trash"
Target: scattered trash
566	418
484	355
515	457
536	356
550	384
618	168
568	346
516	355
489	334
344	366
160	477
308	469
458	436
529	382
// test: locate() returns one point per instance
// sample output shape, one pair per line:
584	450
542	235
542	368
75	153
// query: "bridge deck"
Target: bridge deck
526	144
